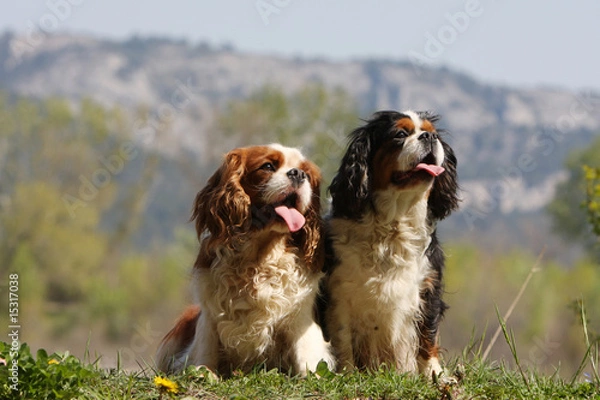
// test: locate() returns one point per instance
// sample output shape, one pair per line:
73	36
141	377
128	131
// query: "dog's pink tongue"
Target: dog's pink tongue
431	169
292	217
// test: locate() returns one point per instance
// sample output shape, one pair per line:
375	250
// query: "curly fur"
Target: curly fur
255	281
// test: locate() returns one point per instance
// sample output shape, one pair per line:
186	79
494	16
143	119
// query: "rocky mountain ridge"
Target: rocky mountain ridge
510	141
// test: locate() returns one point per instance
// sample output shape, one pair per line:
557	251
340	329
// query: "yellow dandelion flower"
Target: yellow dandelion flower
166	384
53	361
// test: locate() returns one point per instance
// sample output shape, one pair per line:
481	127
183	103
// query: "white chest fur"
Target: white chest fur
252	302
375	288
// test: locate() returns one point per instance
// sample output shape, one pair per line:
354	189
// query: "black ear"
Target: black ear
350	194
443	198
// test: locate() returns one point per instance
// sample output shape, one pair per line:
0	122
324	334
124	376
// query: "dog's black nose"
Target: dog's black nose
297	176
428	136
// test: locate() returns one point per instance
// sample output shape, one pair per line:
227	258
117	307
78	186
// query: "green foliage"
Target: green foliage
570	220
63	250
139	287
592	202
55	376
62	376
46	148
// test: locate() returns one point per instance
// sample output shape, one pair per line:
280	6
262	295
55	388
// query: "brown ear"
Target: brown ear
310	239
223	207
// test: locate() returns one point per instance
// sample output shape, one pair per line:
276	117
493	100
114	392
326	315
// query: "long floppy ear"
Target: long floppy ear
349	189
223	207
310	239
443	198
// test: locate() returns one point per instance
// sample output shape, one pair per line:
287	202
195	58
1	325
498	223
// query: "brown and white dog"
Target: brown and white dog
384	285
257	273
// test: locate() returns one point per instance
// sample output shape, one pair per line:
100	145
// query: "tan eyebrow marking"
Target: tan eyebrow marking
427	126
405	124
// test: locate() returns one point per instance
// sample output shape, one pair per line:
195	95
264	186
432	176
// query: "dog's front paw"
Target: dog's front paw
204	373
431	368
447	384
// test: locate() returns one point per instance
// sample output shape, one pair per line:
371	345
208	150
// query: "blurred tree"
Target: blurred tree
313	118
63	251
143	287
61	176
592	202
570	208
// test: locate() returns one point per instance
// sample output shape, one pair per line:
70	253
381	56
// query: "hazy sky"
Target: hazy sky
527	42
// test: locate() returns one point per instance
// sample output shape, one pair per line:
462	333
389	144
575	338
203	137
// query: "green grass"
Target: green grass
63	376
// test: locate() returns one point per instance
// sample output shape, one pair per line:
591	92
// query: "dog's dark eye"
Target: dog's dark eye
401	134
268	167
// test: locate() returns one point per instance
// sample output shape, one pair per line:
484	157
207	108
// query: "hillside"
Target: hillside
510	141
